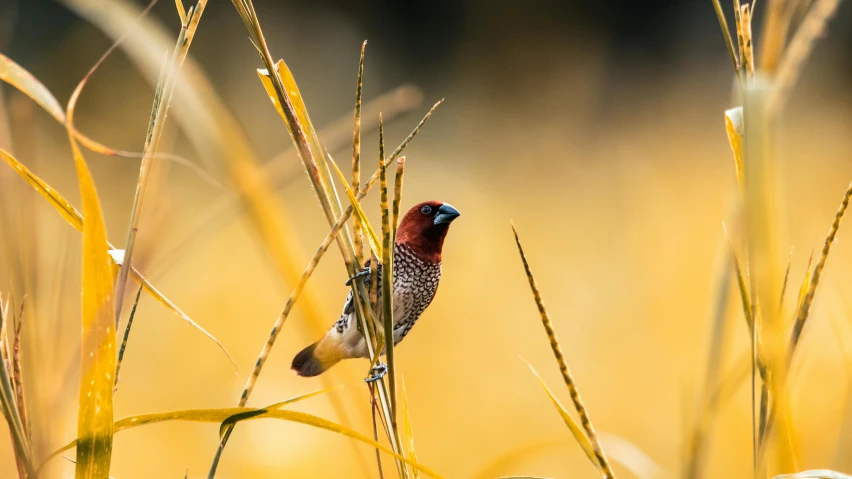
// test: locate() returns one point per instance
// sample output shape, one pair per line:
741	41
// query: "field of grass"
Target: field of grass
649	278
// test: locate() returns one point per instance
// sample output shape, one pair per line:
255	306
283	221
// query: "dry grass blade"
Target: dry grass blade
75	219
578	434
220	415
804	308
126	336
387	275
605	468
726	32
17	375
806	282
356	157
812	27
397	192
8	401
162	101
98	353
26	83
744	36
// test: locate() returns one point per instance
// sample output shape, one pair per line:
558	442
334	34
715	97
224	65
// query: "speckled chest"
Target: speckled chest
414	285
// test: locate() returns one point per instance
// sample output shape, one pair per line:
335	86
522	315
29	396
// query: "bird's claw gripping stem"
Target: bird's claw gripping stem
360	274
379	371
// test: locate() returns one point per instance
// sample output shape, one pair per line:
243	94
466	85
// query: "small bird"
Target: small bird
416	272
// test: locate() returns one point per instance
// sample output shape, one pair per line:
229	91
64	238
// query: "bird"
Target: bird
416	273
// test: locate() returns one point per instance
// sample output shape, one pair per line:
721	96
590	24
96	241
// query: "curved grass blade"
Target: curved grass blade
220	415
248	415
98	353
605	468
26	83
578	434
75	219
162	101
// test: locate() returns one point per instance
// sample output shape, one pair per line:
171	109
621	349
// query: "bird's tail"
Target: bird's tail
315	359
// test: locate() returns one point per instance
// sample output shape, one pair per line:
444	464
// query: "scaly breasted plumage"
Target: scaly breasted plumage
416	272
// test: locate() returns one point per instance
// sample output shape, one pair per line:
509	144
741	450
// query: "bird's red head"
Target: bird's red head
424	228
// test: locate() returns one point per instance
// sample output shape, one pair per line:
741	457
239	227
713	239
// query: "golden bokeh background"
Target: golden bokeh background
612	161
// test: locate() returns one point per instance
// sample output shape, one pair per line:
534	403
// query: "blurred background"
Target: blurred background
596	126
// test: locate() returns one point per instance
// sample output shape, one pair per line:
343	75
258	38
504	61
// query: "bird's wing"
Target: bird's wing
349	305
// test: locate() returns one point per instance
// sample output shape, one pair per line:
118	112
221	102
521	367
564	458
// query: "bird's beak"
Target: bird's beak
446	215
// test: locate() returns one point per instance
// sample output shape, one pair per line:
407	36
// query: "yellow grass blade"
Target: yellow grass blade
397	193
726	32
220	415
578	434
602	461
409	433
75	219
804	309
98	352
372	238
806	282
356	156
387	275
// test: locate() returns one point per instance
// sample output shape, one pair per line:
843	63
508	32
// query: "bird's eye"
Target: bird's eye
426	209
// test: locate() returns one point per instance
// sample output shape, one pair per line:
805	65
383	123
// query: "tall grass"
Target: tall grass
754	266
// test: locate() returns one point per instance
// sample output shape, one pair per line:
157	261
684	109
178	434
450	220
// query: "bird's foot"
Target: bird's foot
360	274
379	371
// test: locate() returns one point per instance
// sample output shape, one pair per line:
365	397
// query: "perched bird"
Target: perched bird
416	272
